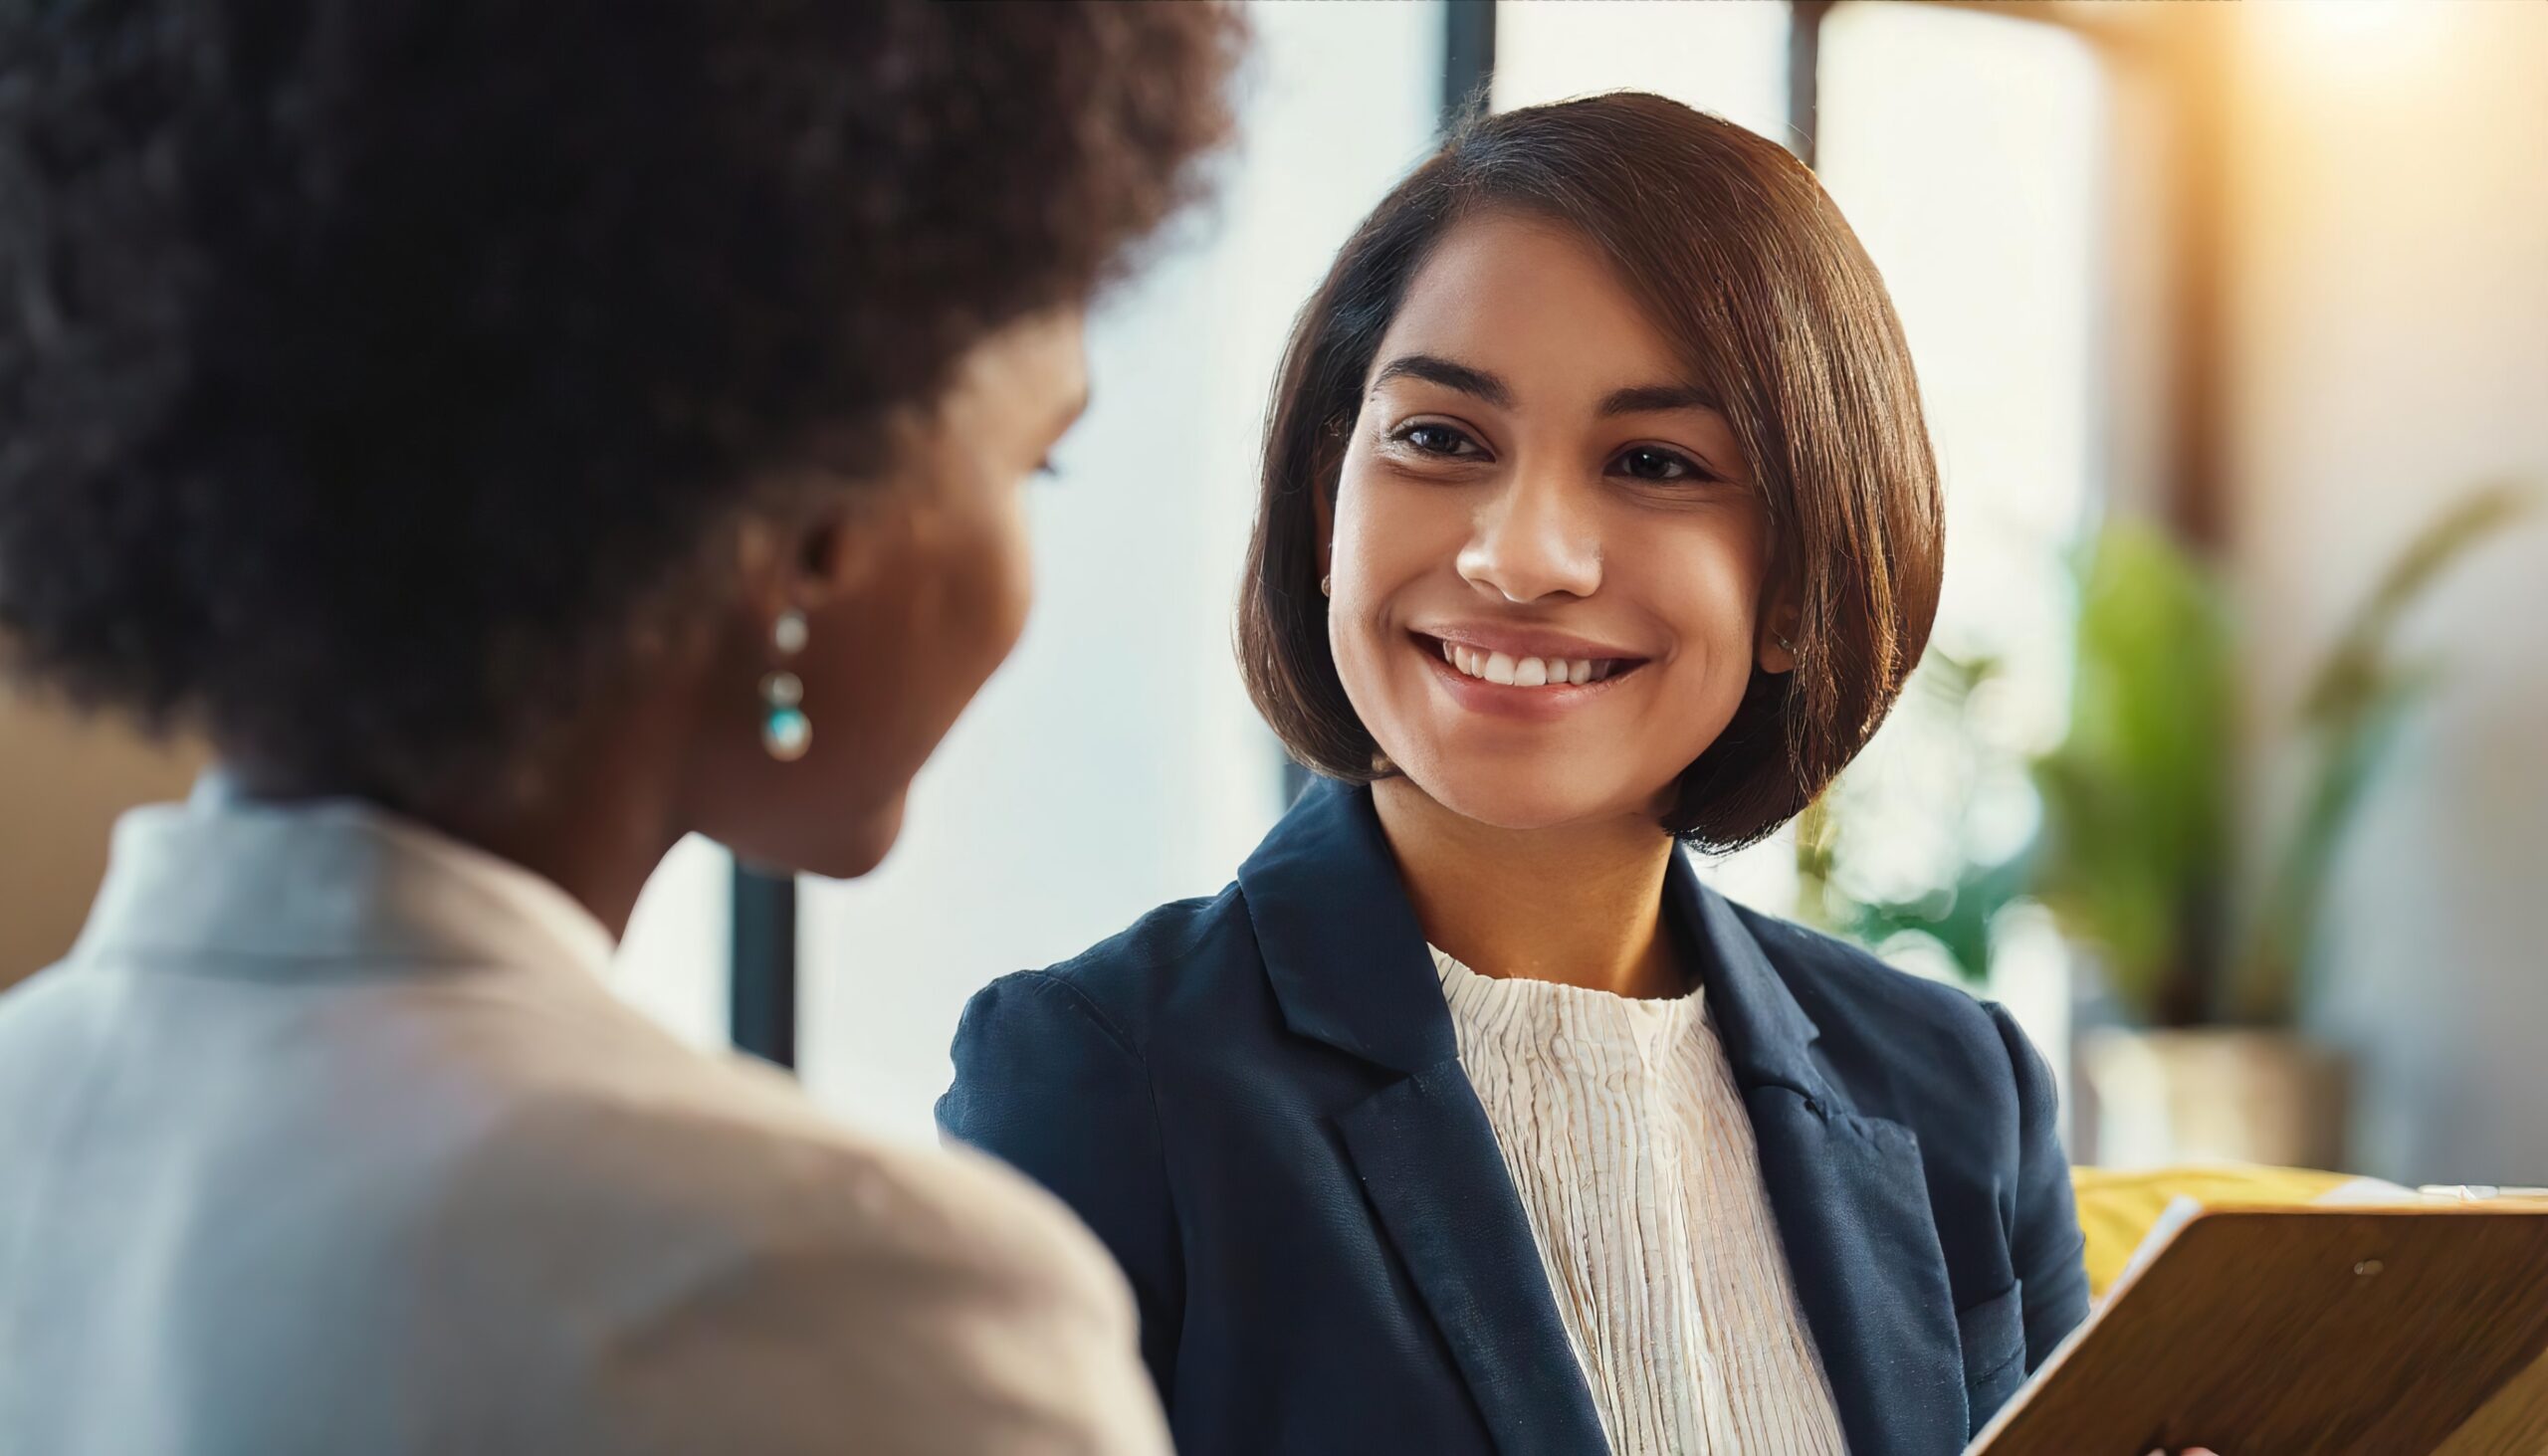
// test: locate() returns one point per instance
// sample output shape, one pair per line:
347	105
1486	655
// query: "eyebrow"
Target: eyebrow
1656	399
1643	399
1435	369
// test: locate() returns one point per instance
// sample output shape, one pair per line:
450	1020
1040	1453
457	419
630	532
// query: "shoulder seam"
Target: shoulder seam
1088	1007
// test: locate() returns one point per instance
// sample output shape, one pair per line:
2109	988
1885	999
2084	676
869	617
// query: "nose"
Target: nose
1536	537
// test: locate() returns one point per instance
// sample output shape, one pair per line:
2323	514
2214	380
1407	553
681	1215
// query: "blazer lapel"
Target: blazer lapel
1348	963
1427	1157
1850	1198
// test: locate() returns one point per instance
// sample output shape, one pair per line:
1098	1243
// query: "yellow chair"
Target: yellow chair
2117	1209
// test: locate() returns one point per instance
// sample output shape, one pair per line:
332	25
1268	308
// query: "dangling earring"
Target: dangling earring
785	730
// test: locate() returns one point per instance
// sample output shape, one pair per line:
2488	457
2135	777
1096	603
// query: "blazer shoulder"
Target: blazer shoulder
701	1188
1182	953
675	1233
1870	1012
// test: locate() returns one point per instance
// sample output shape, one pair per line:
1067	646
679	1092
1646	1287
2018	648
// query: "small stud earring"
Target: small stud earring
785	730
1327	586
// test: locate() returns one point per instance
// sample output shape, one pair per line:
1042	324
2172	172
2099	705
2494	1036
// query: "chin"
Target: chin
1520	796
852	845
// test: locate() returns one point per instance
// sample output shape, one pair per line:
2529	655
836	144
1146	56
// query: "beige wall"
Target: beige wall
2388	303
61	782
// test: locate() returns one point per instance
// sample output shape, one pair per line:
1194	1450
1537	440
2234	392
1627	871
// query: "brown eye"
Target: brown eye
1651	462
1443	440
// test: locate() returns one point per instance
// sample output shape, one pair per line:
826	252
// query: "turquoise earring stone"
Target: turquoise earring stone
786	732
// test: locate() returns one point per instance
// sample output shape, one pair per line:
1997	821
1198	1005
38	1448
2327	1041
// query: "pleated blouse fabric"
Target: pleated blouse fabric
1627	1140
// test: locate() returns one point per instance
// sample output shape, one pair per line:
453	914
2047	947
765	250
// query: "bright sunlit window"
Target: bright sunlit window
1728	59
1967	150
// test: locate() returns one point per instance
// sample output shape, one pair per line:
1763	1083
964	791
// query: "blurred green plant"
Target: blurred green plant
2136	800
1956	916
2137	851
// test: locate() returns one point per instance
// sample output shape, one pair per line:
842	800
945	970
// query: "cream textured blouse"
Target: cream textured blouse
1628	1141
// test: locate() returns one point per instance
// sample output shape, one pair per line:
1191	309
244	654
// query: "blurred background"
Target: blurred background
2229	765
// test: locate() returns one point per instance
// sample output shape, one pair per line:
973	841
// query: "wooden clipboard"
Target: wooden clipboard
2270	1331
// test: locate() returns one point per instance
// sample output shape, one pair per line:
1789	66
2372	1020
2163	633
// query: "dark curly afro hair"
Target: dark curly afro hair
373	373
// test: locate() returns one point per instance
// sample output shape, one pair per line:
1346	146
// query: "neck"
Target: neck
1579	903
592	828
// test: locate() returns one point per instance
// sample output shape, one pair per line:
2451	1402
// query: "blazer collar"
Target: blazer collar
1340	942
1347	962
1768	1038
254	884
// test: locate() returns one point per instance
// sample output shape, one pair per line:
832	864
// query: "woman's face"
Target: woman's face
911	600
1549	559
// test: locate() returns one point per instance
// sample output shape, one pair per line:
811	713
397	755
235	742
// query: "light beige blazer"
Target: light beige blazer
329	1139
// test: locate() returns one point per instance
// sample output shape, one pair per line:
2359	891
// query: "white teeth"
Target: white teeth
1526	671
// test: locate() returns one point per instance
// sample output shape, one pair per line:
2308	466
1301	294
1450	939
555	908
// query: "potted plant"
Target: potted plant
2137	856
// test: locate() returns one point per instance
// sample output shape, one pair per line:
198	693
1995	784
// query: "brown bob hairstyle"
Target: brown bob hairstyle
1745	265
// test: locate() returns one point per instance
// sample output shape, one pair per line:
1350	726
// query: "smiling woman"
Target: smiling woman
1598	513
1769	396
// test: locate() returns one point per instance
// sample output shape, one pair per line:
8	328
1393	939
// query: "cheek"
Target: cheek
1008	571
987	571
1389	537
943	611
1705	589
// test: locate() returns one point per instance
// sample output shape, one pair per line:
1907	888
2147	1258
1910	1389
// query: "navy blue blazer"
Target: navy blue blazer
1256	1103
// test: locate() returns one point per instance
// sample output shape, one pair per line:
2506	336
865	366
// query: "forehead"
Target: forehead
1536	304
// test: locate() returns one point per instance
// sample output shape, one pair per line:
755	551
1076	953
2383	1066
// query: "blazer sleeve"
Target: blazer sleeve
2045	1246
1047	1081
623	1279
1009	1339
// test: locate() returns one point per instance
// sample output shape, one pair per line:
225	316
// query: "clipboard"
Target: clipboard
2265	1332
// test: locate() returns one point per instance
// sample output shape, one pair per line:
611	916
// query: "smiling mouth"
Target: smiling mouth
1506	671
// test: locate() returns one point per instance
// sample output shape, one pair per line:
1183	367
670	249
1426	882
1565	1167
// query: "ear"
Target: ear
1781	618
805	561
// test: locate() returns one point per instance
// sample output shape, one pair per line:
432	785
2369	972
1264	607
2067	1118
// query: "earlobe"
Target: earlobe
840	551
1780	648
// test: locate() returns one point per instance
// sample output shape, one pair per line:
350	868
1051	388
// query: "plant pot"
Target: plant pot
2216	1095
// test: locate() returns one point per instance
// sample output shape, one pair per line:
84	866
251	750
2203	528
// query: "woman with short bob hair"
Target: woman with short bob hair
1598	518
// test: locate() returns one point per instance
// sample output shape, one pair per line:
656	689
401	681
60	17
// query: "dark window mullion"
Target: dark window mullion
1468	59
762	971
